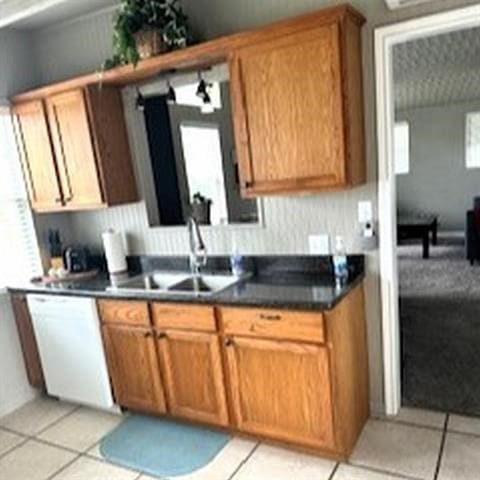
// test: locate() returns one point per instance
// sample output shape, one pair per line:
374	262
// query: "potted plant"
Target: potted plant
144	28
201	209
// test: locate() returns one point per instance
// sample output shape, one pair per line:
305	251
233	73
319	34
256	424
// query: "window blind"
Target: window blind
19	252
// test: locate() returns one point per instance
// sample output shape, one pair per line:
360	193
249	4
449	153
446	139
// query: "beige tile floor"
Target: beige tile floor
50	440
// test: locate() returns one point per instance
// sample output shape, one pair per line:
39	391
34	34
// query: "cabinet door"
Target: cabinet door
28	342
287	98
74	149
36	152
281	390
193	375
134	368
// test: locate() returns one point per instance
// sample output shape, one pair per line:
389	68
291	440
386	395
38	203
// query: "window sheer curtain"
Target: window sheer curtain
19	253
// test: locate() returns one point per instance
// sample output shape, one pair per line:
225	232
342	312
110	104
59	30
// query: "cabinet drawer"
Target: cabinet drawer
192	317
124	312
267	323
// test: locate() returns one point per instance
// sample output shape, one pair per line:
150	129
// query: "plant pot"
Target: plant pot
201	212
149	43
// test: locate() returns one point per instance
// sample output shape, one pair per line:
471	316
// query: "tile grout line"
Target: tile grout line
55	445
19	434
63	468
15	432
334	471
411	424
428	427
442	447
10	450
43	429
468	434
244	461
379	470
58	420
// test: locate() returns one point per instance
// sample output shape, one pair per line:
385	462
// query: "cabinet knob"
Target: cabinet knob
229	342
161	335
147	334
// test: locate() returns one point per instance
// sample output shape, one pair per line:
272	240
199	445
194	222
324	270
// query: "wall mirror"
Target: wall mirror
188	123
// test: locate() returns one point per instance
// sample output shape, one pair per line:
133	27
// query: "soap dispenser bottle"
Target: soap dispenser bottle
237	262
340	262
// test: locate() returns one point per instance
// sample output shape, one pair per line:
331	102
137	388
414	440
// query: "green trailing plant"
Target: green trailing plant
165	16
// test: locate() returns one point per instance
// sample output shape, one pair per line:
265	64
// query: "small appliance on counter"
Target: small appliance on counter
74	265
77	259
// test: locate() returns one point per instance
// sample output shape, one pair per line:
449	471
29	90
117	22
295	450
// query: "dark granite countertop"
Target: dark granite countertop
285	282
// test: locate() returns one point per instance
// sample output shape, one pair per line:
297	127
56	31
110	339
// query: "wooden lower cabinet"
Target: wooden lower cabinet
193	375
281	390
28	342
134	368
300	377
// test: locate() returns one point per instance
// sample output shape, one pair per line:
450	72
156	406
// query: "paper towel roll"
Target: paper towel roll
114	251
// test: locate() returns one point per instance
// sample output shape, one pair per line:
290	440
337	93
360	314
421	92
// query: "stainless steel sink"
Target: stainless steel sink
152	282
176	283
204	284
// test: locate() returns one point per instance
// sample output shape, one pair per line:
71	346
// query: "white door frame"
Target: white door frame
385	38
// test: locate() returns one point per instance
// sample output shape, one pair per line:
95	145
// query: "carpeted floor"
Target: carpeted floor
440	325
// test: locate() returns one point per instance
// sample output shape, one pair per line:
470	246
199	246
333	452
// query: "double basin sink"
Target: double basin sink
176	283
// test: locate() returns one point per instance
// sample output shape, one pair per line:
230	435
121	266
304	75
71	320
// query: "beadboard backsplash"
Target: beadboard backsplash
287	224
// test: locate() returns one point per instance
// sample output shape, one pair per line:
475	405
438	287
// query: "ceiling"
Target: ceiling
437	70
36	14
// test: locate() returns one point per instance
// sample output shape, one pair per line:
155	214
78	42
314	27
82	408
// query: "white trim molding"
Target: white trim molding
12	11
394	4
385	38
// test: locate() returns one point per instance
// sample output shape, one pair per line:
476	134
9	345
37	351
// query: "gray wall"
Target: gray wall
17	64
438	181
79	47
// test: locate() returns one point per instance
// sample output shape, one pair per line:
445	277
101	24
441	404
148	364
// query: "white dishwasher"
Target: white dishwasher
67	330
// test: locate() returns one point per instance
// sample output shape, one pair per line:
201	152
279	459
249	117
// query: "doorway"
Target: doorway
385	40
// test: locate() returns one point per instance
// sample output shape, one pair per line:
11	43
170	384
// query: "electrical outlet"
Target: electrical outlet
319	244
365	212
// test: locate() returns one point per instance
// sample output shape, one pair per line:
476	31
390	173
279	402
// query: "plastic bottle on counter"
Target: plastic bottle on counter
237	262
340	262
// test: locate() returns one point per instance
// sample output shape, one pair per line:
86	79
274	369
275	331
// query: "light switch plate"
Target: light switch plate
319	244
365	212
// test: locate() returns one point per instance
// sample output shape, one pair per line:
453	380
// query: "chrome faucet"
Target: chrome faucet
198	251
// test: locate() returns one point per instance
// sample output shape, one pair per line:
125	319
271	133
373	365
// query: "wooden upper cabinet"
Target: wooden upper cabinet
134	368
298	110
37	157
193	375
281	390
76	149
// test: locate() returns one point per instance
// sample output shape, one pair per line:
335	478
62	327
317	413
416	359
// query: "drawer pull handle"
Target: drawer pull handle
229	342
264	316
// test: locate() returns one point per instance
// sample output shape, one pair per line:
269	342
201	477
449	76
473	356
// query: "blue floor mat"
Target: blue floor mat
160	447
